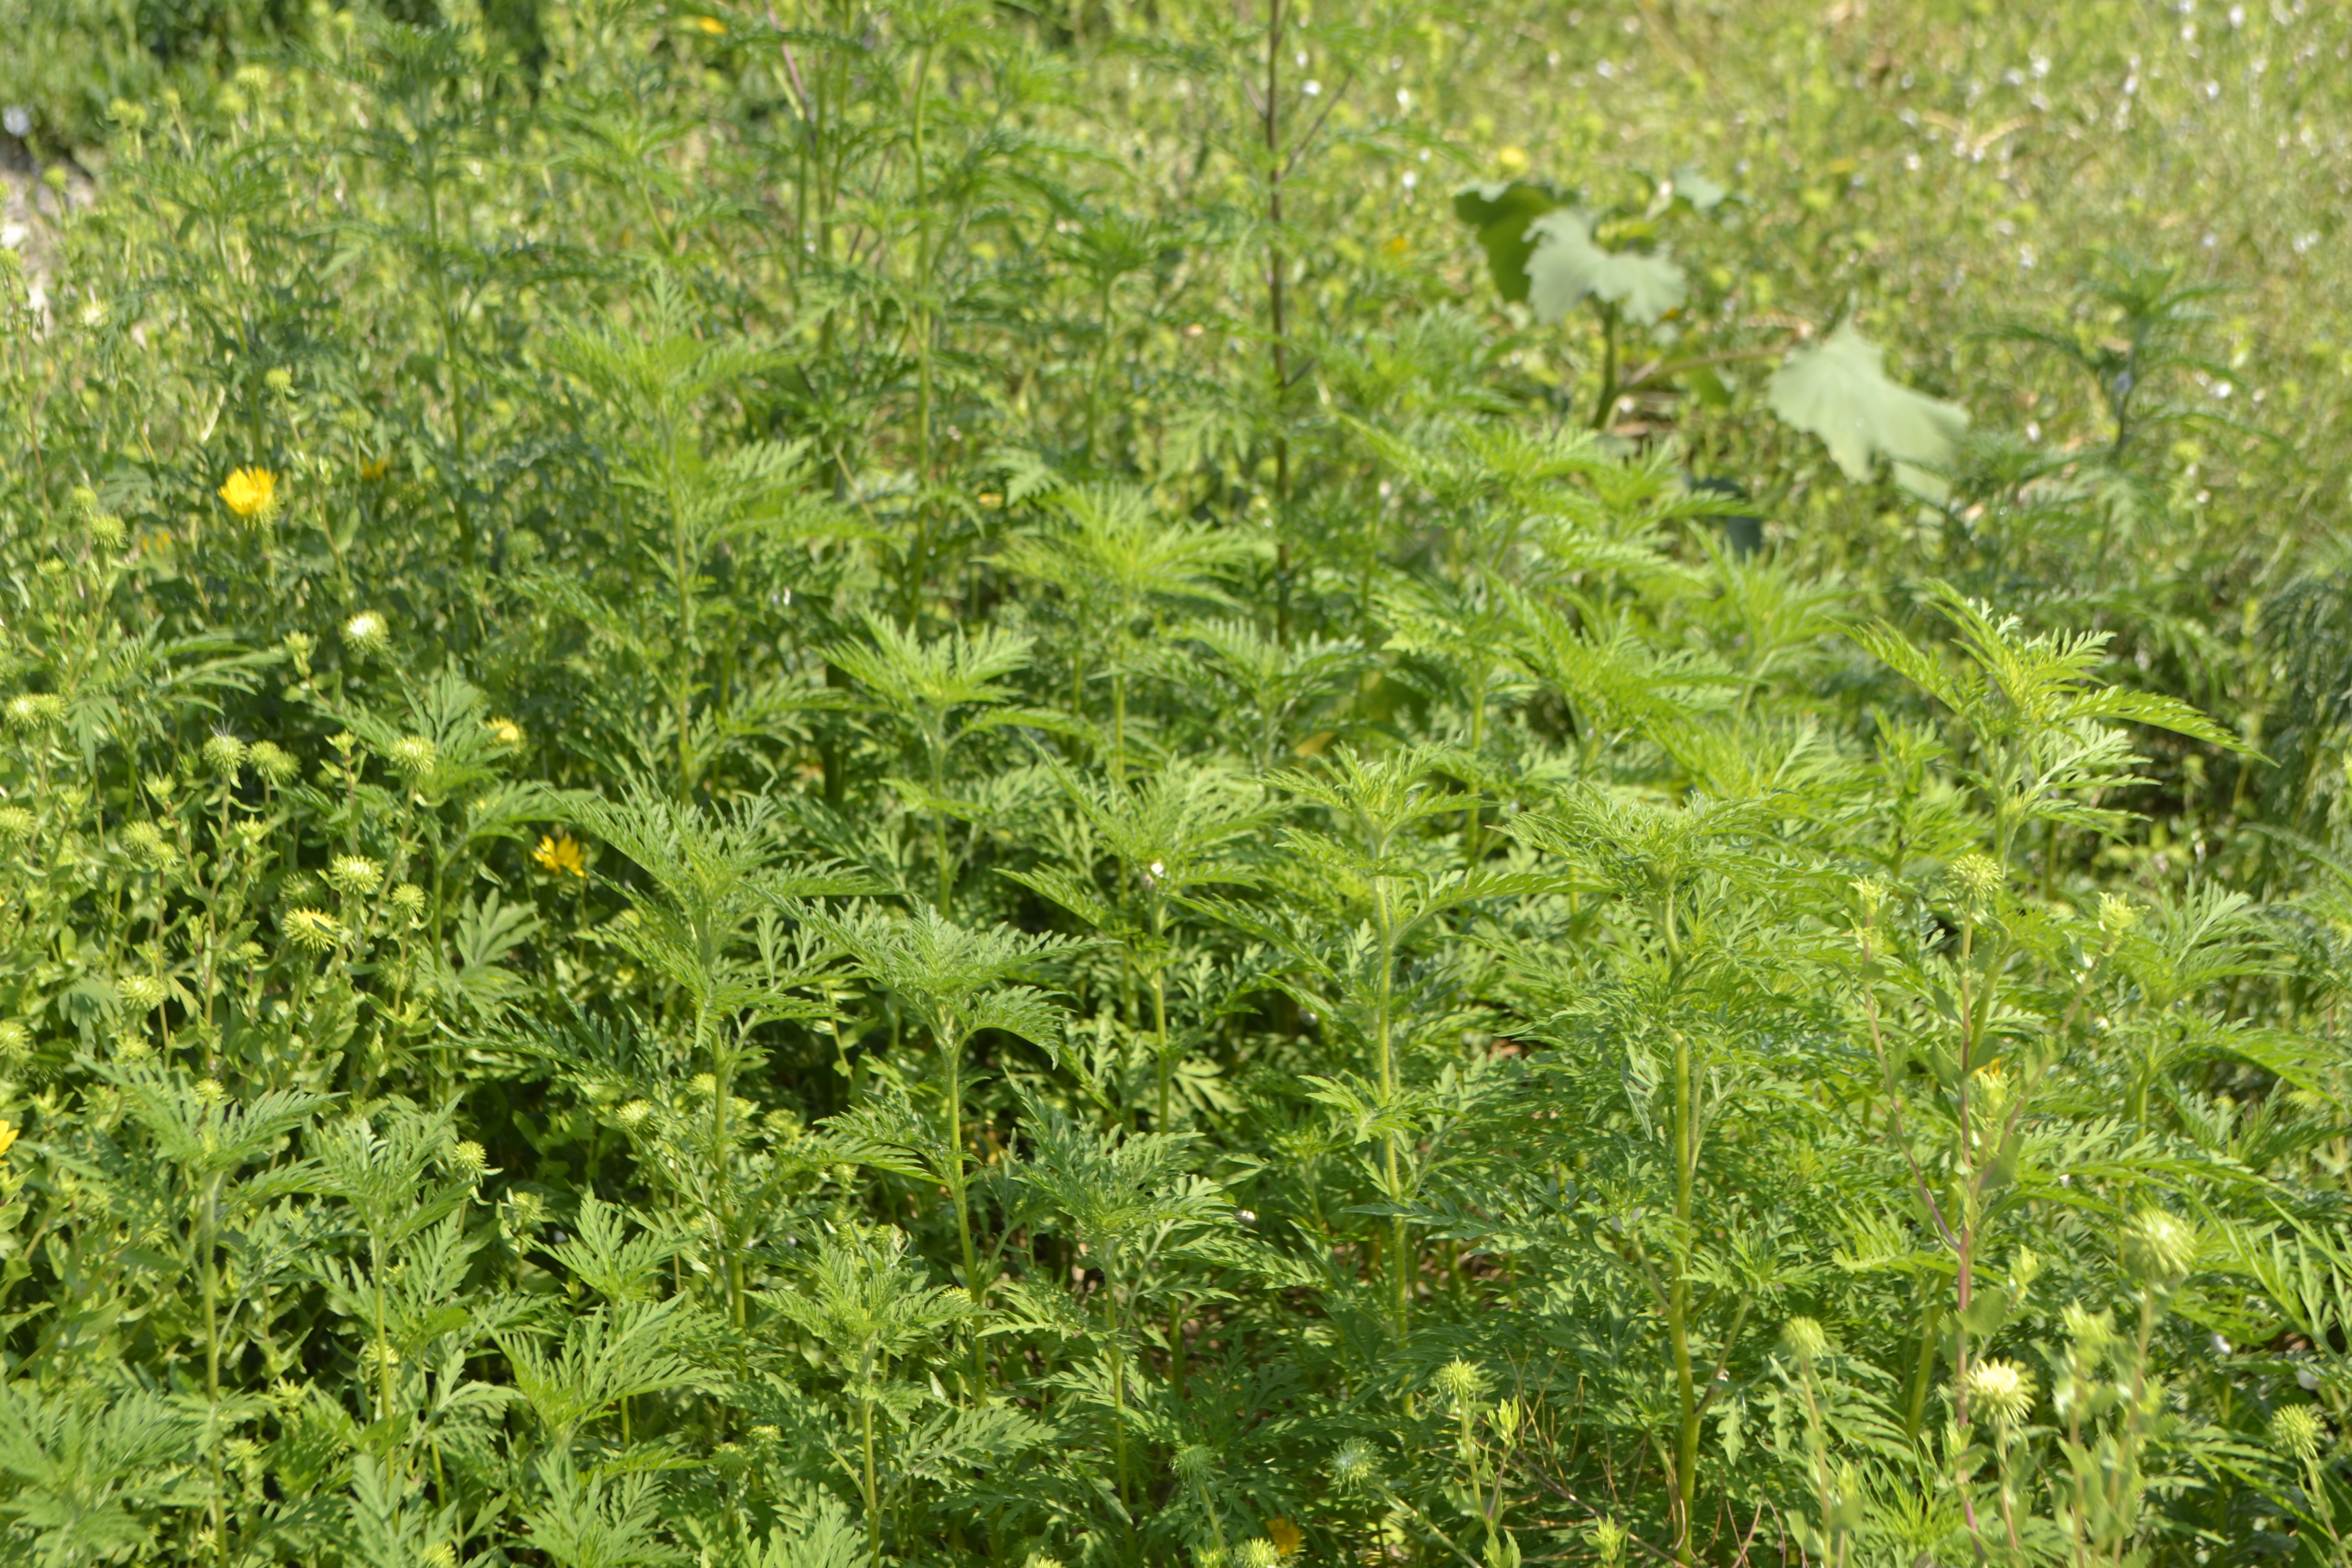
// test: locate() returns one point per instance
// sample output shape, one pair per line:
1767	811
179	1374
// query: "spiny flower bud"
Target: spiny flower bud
106	529
36	710
274	764
15	1041
15	825
2158	1249
367	633
140	992
209	1091
2001	1390
505	732
1355	1466
634	1115
354	875
413	755
146	841
2297	1430
1805	1338
225	755
409	899
468	1159
1194	1463
1978	877
313	930
1460	1381
1259	1553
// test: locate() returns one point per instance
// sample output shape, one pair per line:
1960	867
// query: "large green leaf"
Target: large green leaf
1502	214
1566	267
1839	390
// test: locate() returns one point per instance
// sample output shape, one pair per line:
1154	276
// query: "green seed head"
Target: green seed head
225	755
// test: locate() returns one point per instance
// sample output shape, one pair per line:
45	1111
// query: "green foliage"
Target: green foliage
834	785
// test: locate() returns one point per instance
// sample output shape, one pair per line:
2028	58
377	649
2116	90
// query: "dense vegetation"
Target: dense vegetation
815	784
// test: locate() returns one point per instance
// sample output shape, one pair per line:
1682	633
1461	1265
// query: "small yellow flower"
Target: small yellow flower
250	492
7	1136
506	732
1286	1536
710	24
561	853
1511	159
375	467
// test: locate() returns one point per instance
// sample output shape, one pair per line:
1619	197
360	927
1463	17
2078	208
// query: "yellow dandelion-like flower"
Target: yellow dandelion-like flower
711	25
506	732
561	853
7	1136
376	468
1286	1536
250	492
1511	159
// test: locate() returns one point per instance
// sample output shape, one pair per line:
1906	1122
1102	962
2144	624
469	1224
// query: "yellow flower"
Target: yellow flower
375	467
7	1136
250	492
561	854
506	732
1512	158
710	24
1286	1536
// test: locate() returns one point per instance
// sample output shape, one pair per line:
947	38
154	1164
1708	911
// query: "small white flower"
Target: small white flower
18	120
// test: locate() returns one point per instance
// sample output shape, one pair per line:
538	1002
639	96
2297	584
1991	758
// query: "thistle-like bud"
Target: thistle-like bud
468	1159
2001	1390
15	825
35	710
1259	1553
313	930
440	1554
210	1092
1194	1463
274	764
1806	1339
15	1041
140	992
146	841
2298	1431
367	633
2158	1249
505	732
1978	877
409	899
634	1115
1461	1381
225	755
85	499
1355	1466
413	756
106	529
354	875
